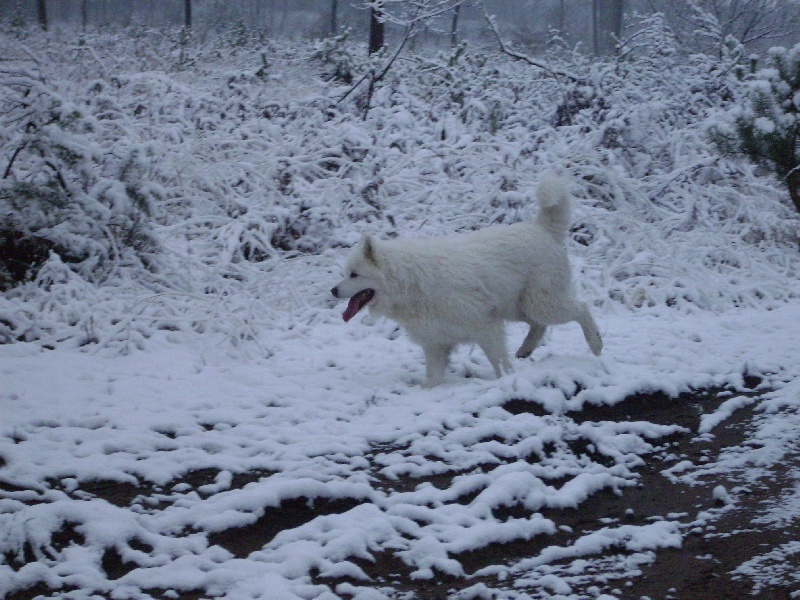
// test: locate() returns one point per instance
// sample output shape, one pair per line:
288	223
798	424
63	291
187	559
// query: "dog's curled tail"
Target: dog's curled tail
554	206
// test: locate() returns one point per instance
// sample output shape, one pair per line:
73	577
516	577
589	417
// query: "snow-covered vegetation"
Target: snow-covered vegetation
767	127
154	181
175	374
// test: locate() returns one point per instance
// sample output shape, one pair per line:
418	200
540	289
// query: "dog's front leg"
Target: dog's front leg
436	359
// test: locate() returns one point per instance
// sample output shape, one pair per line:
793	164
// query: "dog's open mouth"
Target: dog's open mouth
357	302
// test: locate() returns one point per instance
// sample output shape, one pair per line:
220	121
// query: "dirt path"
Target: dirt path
719	535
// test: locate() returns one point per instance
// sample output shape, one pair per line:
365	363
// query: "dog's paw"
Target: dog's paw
427	385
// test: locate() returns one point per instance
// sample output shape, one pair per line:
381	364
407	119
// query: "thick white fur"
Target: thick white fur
461	288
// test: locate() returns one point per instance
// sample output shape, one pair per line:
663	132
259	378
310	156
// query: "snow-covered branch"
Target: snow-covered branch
507	50
407	13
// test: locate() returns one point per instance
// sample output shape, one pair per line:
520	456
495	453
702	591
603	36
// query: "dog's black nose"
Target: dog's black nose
335	292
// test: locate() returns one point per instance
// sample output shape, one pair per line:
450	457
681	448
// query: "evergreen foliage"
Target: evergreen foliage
767	127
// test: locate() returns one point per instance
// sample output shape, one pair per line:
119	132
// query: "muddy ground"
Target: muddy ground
700	570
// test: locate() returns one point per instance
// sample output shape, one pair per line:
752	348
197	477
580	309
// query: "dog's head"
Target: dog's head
362	278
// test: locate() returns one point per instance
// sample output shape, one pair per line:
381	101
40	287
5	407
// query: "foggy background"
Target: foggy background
759	24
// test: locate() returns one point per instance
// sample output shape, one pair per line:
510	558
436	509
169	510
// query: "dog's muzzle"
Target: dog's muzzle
335	292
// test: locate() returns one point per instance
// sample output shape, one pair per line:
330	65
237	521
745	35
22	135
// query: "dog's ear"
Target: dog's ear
369	248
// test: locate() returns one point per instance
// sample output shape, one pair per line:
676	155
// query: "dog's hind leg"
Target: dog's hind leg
589	327
436	359
535	334
493	344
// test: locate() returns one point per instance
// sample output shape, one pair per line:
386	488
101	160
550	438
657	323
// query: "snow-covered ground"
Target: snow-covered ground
197	421
336	413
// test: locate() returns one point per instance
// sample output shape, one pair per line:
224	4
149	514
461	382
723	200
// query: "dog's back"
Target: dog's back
483	273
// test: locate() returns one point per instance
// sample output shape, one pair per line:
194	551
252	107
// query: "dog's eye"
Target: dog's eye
353	275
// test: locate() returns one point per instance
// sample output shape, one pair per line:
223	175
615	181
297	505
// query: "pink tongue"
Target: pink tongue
356	303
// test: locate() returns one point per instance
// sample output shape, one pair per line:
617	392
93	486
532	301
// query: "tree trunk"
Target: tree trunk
41	13
187	13
84	14
607	24
284	14
376	30
334	16
793	180
454	26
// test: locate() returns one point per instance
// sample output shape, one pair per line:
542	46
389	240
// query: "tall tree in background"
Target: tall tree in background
410	15
84	14
454	26
376	27
187	13
41	13
705	24
607	24
334	16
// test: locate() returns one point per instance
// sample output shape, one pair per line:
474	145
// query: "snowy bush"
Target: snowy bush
166	184
767	128
67	185
339	57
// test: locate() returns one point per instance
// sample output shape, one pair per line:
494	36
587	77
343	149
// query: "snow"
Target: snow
725	410
721	495
150	417
764	125
232	360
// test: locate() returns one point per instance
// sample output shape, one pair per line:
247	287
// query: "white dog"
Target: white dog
460	289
